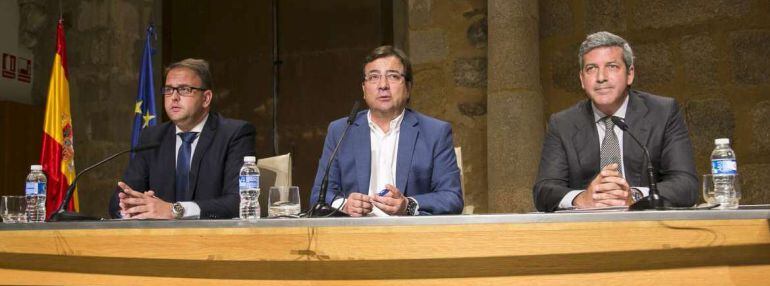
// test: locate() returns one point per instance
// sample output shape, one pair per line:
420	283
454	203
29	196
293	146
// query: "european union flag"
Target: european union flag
144	111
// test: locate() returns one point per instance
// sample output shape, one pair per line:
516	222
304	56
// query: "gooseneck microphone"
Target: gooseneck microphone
61	214
321	208
653	200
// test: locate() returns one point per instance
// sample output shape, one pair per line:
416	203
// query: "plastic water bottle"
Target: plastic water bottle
35	194
248	184
724	169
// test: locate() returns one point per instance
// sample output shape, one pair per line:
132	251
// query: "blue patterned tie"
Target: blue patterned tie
183	163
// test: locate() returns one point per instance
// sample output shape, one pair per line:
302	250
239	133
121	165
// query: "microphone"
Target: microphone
61	214
652	201
321	208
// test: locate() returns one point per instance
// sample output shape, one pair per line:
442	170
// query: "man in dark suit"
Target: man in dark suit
194	172
394	161
588	162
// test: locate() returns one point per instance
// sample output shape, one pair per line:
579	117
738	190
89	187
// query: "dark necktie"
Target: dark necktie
183	164
610	152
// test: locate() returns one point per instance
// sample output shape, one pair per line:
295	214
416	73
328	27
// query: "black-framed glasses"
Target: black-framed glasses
181	90
392	77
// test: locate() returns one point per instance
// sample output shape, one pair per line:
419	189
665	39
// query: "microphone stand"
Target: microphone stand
61	214
321	208
652	201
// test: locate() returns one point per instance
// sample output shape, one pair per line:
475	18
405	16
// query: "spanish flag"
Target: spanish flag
58	155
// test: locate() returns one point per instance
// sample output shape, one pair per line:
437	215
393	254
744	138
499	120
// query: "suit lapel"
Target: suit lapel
586	139
633	157
362	151
406	141
204	141
166	158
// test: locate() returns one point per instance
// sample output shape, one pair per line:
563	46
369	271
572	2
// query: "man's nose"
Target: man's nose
383	83
601	76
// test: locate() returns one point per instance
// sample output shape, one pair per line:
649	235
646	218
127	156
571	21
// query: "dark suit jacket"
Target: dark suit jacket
570	158
214	171
426	167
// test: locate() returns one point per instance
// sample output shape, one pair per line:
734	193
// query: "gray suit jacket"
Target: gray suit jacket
570	158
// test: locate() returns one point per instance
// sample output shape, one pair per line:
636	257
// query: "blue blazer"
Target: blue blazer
426	167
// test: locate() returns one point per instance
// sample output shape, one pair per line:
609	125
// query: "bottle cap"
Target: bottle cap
36	168
249	159
722	141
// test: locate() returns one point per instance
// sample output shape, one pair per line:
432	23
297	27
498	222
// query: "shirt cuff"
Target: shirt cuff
645	191
191	210
338	203
566	201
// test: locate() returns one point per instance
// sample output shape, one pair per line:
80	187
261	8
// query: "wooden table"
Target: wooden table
629	248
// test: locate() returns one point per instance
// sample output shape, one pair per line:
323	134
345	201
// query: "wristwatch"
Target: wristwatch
411	206
177	210
636	195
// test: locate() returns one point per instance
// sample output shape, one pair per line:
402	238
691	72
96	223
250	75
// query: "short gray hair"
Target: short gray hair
606	39
198	66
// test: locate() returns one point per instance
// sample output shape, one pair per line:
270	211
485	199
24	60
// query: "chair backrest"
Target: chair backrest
273	171
459	154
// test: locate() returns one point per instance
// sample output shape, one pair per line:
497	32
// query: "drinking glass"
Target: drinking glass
283	201
13	209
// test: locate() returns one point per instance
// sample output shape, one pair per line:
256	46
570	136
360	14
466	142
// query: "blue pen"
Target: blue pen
383	192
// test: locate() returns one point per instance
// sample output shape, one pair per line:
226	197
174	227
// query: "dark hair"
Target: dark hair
388	51
198	66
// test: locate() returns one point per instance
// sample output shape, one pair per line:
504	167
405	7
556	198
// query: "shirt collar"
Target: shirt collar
198	128
621	112
395	124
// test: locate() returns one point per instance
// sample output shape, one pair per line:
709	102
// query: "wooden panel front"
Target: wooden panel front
701	252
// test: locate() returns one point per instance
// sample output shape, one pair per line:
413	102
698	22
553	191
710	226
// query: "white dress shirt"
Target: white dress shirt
384	159
566	201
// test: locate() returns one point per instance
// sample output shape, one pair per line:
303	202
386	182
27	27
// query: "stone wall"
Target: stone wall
104	42
711	55
447	43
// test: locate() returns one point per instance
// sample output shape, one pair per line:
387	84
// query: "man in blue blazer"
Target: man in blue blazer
194	172
394	161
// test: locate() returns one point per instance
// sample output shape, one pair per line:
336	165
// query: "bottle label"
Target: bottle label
249	182
724	167
31	188
41	188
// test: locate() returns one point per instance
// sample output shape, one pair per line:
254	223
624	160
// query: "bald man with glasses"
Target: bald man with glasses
194	172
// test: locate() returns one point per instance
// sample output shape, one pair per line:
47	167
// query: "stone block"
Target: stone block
427	46
428	85
700	61
605	15
750	56
32	19
470	72
419	13
708	119
760	121
477	33
665	14
565	70
472	108
654	65
555	18
754	181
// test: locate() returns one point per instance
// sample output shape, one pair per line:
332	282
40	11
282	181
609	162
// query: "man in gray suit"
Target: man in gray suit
589	162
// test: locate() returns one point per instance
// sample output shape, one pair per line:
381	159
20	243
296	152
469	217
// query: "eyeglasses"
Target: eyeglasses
181	90
392	78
